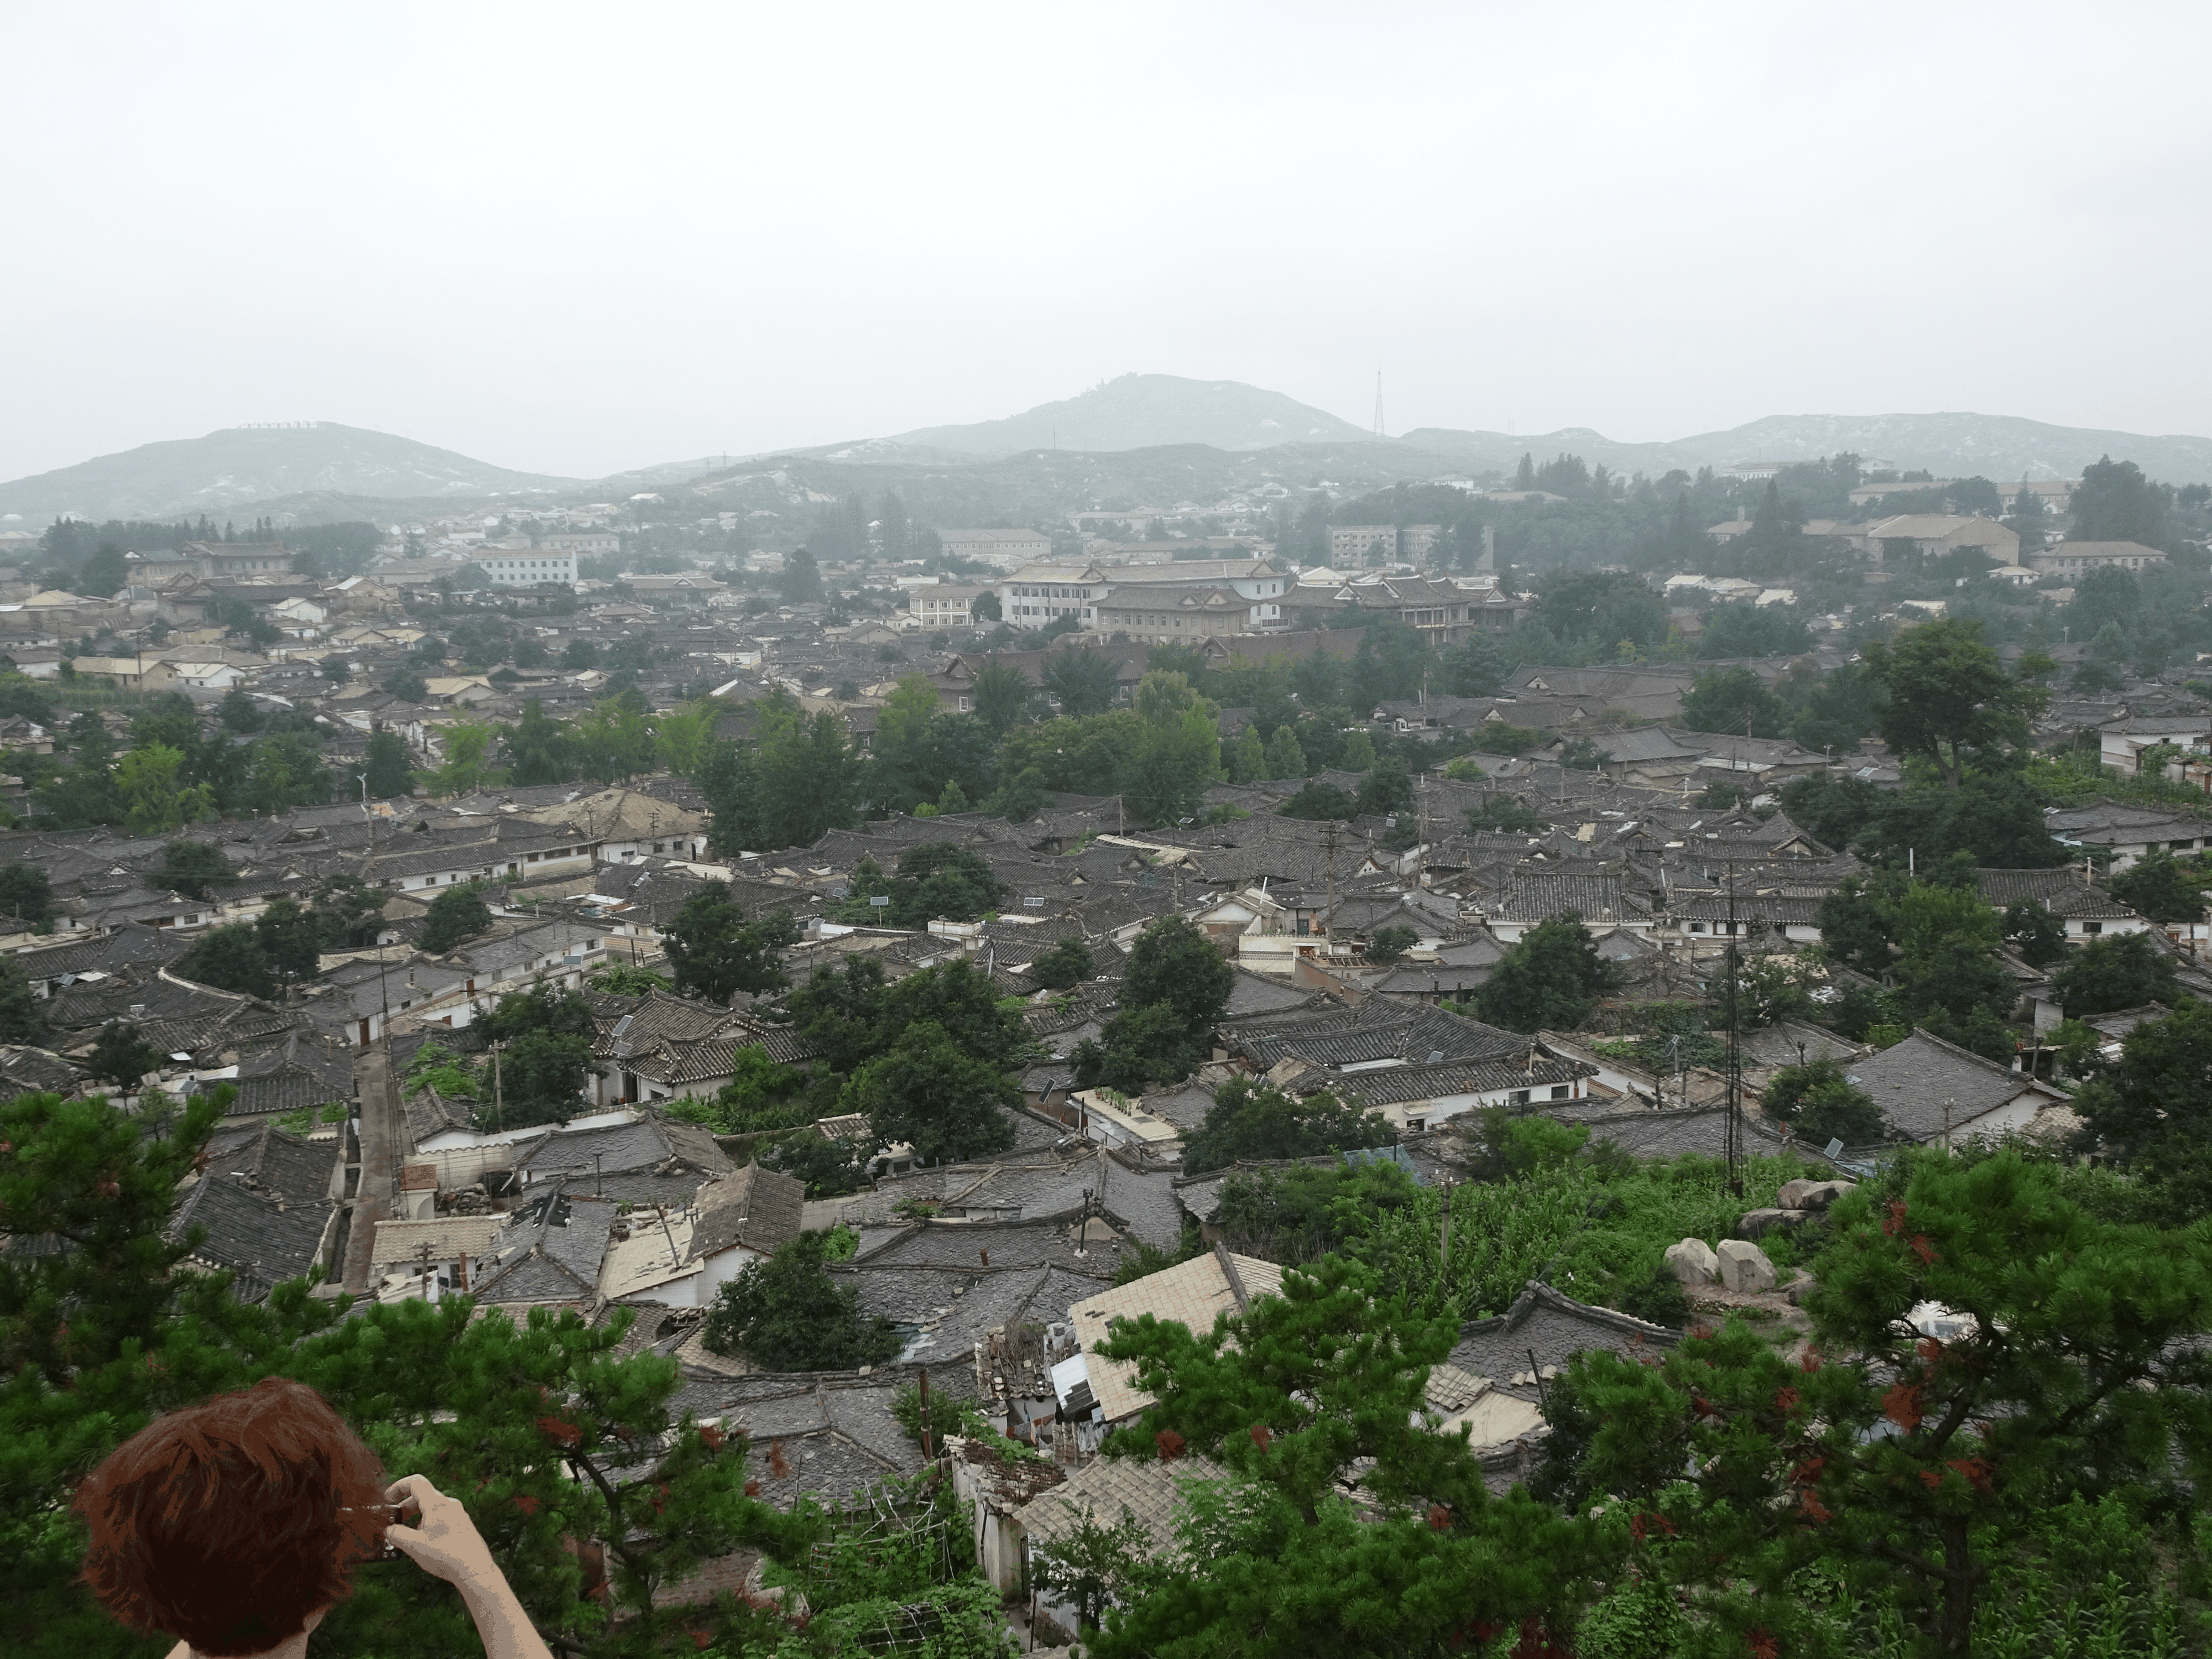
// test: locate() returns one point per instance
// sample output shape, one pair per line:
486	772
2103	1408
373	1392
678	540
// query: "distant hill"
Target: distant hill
2000	447
1145	411
239	466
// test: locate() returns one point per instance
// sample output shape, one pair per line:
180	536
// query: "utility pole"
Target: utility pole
1734	1052
498	1100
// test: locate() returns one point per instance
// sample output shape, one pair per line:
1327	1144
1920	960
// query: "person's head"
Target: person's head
230	1523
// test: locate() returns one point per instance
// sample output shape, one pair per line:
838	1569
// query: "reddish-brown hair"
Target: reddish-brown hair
228	1523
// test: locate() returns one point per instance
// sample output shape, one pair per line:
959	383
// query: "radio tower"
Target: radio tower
1379	432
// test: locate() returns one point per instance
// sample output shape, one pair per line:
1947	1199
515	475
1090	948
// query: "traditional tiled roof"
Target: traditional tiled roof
401	1243
266	1236
1924	1085
757	1207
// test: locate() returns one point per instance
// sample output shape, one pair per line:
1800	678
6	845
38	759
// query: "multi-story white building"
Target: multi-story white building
1010	549
582	542
528	567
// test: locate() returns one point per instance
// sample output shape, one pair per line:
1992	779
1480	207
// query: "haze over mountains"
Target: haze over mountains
316	469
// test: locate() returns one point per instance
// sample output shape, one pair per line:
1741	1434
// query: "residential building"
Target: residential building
1442	612
1939	1094
529	567
580	543
1038	594
1009	549
1357	544
2121	743
1934	534
944	604
1177	612
2079	558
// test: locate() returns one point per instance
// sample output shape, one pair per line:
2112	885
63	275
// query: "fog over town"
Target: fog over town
1134	831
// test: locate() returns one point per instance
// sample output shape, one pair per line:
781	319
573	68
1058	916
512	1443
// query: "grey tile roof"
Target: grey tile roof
755	1206
1554	1328
1923	1084
269	1237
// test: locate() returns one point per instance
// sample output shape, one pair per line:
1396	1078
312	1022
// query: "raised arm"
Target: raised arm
445	1542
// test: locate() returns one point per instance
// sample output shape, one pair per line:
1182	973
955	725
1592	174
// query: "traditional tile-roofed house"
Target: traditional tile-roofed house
266	1237
1937	1093
26	1070
1191	1293
439	1248
1509	1356
651	1142
2085	910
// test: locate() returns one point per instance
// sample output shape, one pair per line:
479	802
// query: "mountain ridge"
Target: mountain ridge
1145	412
323	466
234	467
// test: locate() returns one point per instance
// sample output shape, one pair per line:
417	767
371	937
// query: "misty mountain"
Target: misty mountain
2000	447
239	466
1145	411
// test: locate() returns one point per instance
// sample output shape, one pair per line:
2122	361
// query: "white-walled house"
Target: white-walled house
683	1260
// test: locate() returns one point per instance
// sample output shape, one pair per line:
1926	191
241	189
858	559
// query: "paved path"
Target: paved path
380	1131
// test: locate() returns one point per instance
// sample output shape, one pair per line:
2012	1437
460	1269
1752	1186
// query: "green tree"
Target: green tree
1251	1120
1347	1525
1734	700
291	940
937	880
800	582
1502	814
1174	990
1358	752
612	740
1389	943
809	776
681	737
122	1056
190	868
540	1077
1318	802
468	746
1179	752
787	1314
1247	757
1065	966
1903	1464
1817	1101
538	750
2152	1112
2032	930
1948	696
457	915
26	892
2120	971
2114	502
238	713
2159	886
578	655
1549	980
761	1094
155	801
925	1092
407	684
1285	758
230	958
1081	682
103	573
1002	695
715	950
388	773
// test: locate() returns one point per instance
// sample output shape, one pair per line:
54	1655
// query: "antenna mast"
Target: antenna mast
1379	432
1734	1052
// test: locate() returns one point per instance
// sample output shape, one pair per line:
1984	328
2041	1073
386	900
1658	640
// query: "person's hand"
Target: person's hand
445	1542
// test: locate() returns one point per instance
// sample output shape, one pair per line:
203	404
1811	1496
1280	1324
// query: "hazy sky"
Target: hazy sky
577	239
